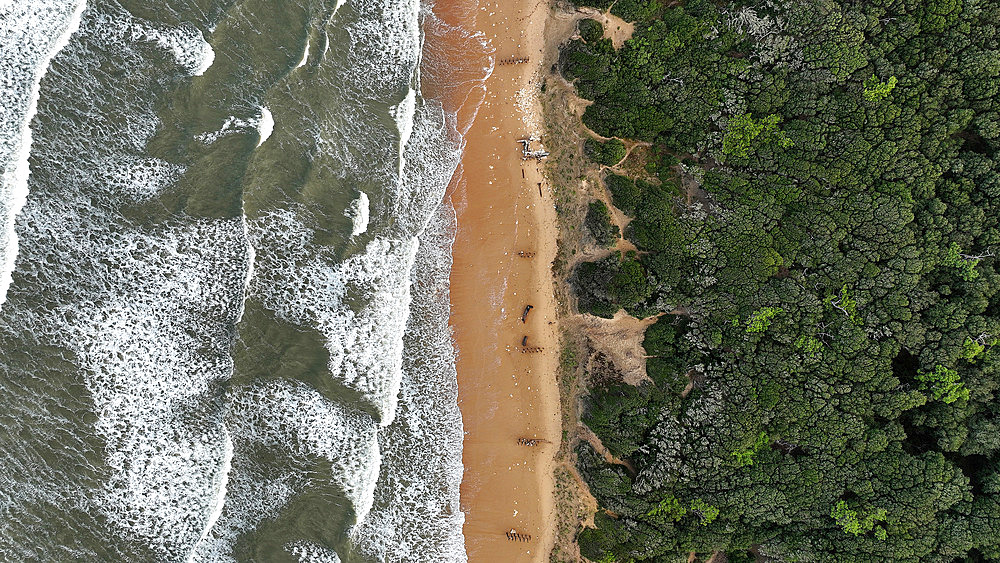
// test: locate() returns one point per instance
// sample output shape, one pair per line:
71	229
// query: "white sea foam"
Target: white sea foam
304	285
186	44
232	124
265	126
312	553
31	34
358	213
390	29
403	113
135	178
296	420
146	370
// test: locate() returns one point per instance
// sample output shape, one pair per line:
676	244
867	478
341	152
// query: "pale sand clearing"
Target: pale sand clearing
506	394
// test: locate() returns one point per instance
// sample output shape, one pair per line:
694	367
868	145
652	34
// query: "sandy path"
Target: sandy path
504	206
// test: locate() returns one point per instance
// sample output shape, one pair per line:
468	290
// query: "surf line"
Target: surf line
220	499
21	172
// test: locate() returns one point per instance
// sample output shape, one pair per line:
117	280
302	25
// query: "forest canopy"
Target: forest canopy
820	247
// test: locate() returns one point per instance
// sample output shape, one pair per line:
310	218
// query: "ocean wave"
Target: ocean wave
432	153
220	497
31	34
404	114
146	303
358	212
455	64
265	126
301	424
305	55
142	311
253	494
298	420
232	124
359	304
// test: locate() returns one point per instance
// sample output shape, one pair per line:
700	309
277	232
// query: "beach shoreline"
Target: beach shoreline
507	354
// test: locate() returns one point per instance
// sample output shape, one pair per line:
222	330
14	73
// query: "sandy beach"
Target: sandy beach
504	247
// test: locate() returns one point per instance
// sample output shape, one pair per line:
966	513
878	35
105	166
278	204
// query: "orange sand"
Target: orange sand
506	394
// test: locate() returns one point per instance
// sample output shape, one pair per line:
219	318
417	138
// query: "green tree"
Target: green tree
745	456
745	133
705	511
670	508
964	264
876	90
943	384
852	523
760	320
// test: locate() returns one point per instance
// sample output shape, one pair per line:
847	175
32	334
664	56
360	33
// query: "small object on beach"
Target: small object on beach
524	341
516	536
524	316
513	60
526	151
525	254
531	442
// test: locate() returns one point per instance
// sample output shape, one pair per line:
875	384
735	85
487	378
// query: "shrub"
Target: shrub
591	281
608	153
598	222
656	228
625	193
637	10
591	30
629	285
599	4
621	415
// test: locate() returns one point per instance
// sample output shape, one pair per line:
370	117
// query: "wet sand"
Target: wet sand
507	388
